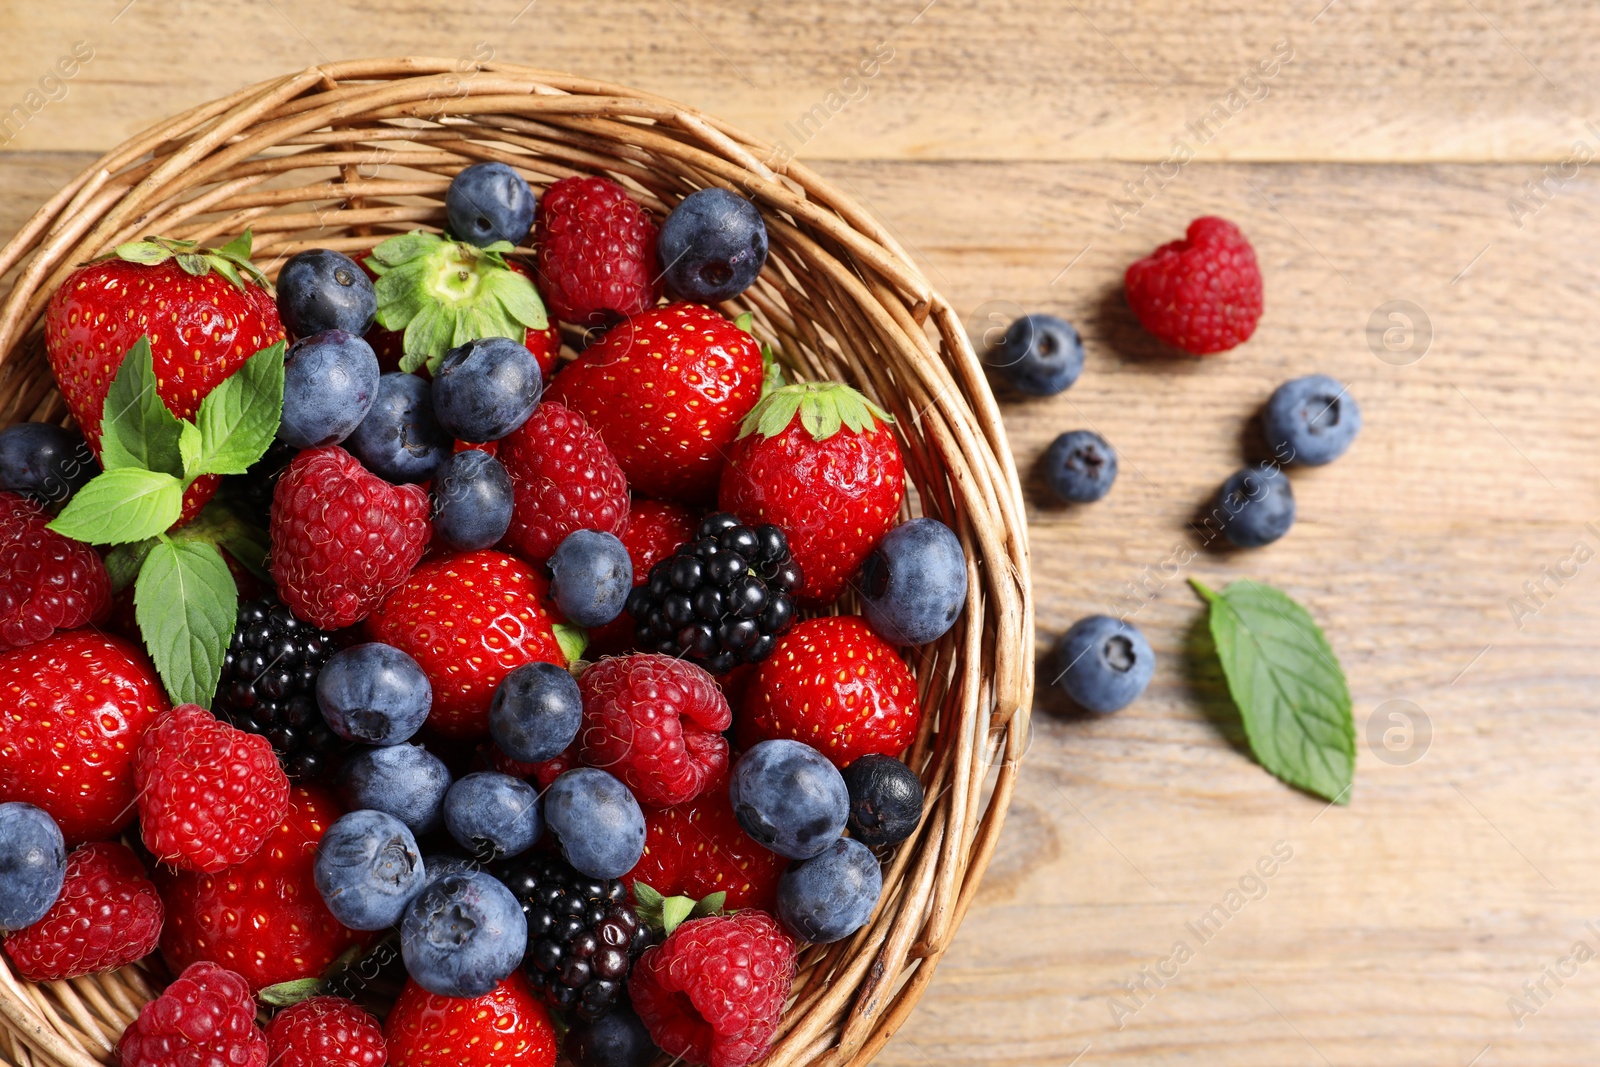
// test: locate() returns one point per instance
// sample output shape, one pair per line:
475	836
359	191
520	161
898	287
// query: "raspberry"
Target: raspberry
563	478
206	1018
342	538
597	252
712	992
1203	293
326	1032
208	794
47	582
107	916
654	722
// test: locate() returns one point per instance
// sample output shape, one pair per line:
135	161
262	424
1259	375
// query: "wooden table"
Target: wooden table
1434	153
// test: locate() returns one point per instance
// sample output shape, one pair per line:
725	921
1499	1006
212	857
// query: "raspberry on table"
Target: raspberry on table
1202	293
655	722
597	252
205	1018
326	1032
47	582
108	915
563	479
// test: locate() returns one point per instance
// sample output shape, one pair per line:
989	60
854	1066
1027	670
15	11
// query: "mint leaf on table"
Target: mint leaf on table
1288	686
118	506
186	603
238	419
136	428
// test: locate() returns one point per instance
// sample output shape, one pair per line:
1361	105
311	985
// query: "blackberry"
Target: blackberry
583	935
722	599
269	686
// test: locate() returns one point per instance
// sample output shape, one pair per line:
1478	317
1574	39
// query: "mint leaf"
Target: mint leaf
189	449
1289	688
121	506
186	602
239	418
136	428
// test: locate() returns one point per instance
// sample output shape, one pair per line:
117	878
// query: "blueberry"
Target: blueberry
536	712
406	781
330	380
472	501
832	894
374	693
1311	420
33	864
1255	506
590	577
485	389
320	289
914	584
1103	663
885	800
493	815
489	202
1040	355
368	869
400	440
789	798
712	246
596	821
616	1039
1080	466
45	461
463	935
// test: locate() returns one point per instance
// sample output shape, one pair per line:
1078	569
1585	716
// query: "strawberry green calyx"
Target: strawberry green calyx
444	293
232	260
824	408
665	914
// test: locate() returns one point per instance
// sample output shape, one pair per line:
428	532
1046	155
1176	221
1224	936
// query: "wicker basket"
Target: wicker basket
338	155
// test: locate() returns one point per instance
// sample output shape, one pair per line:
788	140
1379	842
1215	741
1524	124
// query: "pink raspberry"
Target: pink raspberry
206	1018
47	582
326	1032
108	915
655	722
1201	294
563	478
597	252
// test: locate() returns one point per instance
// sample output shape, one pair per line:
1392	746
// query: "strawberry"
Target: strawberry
76	705
469	620
108	916
655	530
563	478
262	918
698	848
506	1027
666	389
597	251
205	311
544	773
819	461
47	582
326	1032
836	685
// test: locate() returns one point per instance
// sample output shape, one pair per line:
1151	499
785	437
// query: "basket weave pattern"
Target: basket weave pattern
342	155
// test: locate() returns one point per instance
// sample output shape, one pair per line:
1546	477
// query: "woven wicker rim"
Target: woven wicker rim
339	155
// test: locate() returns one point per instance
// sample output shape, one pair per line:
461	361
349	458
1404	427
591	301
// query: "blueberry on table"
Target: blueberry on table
400	441
368	869
33	864
45	461
536	712
1080	466
1255	506
712	246
914	584
489	202
1040	355
789	798
406	781
1103	663
320	290
375	694
493	815
463	935
485	389
596	821
1311	420
591	577
616	1039
330	380
472	501
885	800
831	895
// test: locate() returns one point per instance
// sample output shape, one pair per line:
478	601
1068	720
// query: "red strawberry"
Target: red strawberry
837	686
326	1032
209	795
202	328
655	722
206	1018
76	705
263	917
666	390
108	916
543	773
655	530
505	1027
343	538
47	582
818	460
1202	293
597	252
713	991
469	620
563	478
698	848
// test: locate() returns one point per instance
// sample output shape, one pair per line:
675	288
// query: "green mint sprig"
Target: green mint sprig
1288	686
